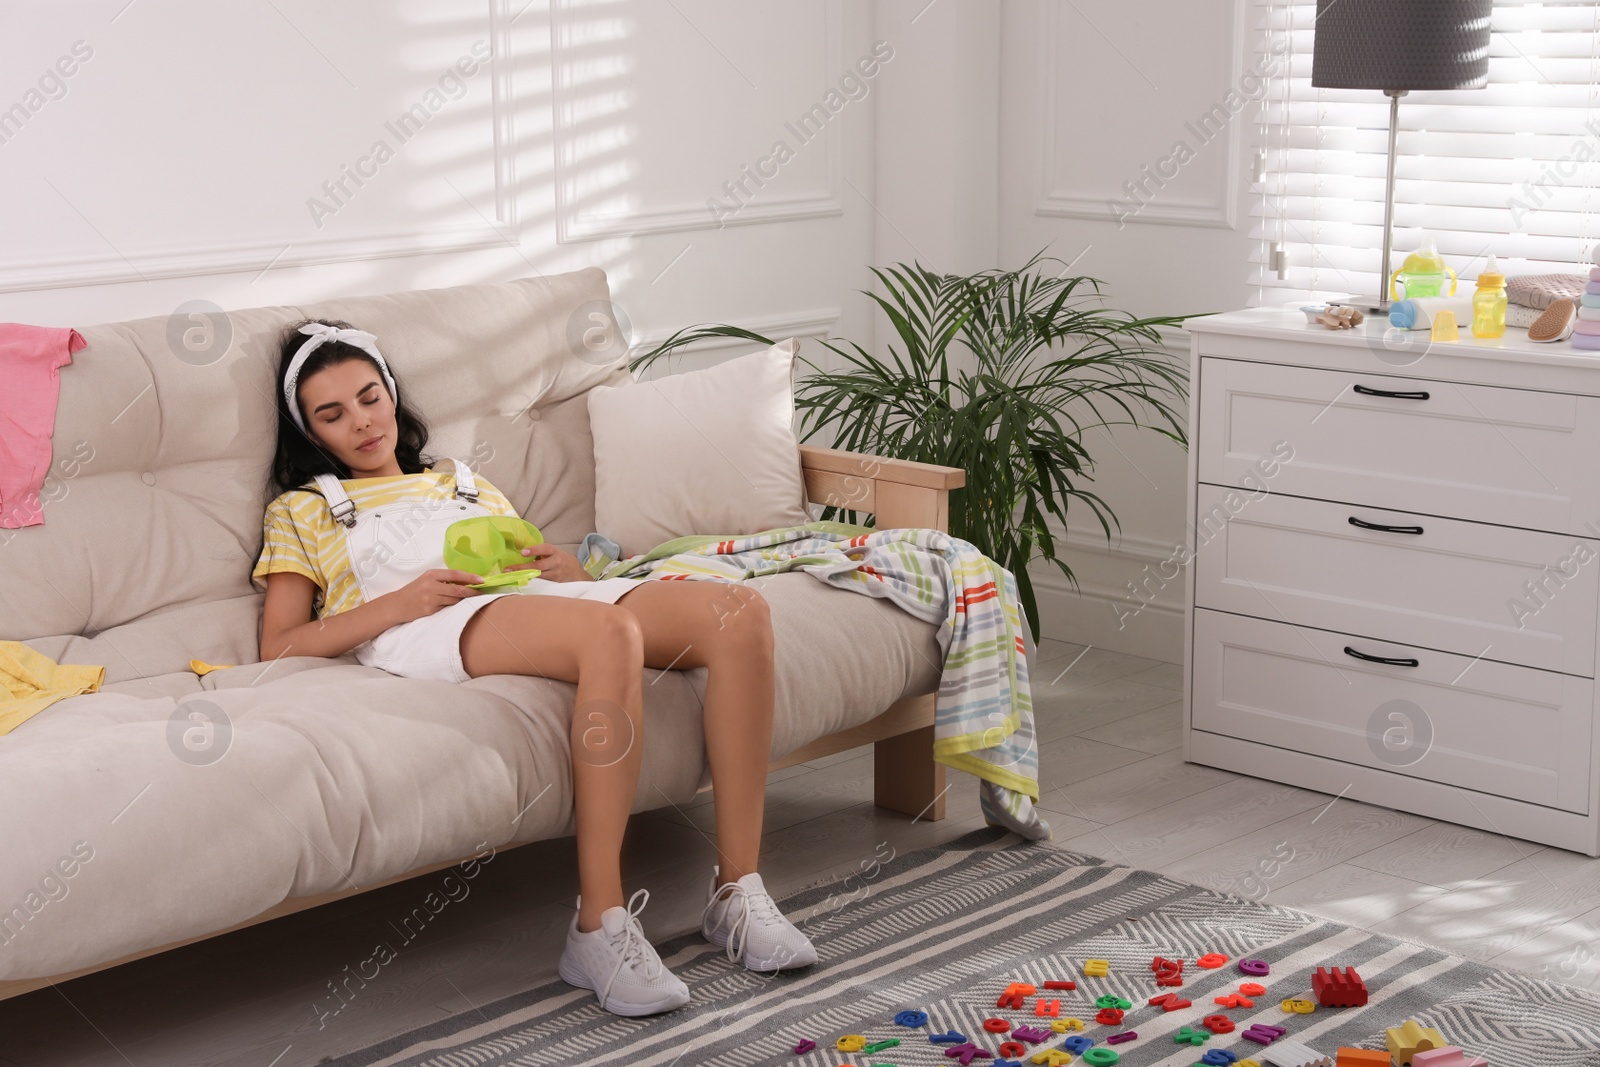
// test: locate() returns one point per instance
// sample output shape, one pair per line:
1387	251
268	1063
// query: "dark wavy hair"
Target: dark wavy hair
297	458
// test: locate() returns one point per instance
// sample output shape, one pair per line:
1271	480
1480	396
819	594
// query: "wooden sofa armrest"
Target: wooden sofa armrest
900	493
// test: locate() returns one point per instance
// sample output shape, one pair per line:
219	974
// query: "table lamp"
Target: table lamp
1398	46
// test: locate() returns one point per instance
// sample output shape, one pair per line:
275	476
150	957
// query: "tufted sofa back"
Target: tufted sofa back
153	508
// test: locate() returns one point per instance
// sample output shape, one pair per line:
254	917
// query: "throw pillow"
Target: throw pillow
710	451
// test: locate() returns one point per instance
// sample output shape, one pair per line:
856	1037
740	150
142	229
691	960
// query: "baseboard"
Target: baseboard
1100	614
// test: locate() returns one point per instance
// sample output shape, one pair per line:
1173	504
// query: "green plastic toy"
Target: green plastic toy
487	544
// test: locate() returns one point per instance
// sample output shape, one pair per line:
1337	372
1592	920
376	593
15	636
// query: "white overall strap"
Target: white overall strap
339	502
466	487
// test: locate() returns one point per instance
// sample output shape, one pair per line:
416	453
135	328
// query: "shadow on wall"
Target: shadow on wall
206	147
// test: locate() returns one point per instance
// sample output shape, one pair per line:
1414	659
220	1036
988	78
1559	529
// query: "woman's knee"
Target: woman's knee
616	638
746	624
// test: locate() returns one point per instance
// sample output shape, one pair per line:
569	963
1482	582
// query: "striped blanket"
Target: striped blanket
983	720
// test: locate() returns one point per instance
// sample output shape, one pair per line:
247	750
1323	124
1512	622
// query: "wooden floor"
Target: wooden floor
1114	786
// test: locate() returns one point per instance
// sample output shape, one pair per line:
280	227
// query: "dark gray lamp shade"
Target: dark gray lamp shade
1401	44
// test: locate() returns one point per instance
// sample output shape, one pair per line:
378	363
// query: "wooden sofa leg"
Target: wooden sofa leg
905	777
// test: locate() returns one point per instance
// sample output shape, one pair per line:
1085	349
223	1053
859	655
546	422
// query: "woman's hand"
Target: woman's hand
554	564
430	592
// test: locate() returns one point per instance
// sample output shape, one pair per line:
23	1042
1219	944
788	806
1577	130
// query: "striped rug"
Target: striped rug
943	930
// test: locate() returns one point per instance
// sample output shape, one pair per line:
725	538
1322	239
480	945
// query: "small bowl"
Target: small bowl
488	544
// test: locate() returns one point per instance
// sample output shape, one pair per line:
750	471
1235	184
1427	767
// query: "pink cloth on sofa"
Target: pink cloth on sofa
31	358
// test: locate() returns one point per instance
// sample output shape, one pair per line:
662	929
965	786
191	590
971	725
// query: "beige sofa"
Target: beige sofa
336	778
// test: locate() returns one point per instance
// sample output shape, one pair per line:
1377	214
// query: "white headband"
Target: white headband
319	334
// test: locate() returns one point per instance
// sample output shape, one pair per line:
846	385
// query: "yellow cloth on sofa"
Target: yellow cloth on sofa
34	681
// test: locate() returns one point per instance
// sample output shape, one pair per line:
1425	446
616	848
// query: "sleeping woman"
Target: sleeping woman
353	560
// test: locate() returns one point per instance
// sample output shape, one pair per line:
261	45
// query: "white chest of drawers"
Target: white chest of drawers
1394	570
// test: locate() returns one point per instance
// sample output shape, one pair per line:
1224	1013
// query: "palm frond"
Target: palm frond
1000	373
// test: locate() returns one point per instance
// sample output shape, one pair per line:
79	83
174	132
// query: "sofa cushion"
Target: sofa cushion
332	774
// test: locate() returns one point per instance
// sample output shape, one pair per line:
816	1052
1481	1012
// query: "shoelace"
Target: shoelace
752	906
633	944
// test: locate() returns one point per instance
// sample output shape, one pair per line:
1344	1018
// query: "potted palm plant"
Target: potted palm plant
999	373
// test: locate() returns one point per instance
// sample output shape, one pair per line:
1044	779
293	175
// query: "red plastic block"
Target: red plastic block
1339	987
1170	1001
1234	1000
1013	1050
1061	985
1253	989
1048	1008
1109	1017
1218	1024
1168	972
997	1026
1013	996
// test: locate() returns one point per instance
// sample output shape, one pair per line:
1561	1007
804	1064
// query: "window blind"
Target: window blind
1512	169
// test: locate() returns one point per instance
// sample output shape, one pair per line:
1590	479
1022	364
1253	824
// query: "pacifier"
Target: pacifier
487	544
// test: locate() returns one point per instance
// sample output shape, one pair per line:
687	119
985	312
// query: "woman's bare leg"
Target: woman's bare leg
600	647
728	630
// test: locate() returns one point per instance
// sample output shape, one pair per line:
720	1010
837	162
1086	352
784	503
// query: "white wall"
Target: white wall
179	161
1092	93
183	159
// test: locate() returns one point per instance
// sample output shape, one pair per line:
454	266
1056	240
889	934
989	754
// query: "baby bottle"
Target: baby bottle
1489	302
1423	274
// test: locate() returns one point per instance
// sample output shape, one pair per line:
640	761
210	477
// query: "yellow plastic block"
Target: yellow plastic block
1096	968
850	1043
1410	1038
1299	1006
1064	1026
1052	1057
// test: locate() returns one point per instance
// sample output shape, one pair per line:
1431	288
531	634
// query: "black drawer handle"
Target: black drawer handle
1390	660
1386	529
1365	390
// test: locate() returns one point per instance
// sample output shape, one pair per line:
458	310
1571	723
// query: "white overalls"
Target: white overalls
395	544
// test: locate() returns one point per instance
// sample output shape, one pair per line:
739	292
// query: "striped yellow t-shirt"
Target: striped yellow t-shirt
300	534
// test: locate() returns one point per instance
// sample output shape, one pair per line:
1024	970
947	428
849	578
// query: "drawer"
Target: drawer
1510	731
1520	596
1510	456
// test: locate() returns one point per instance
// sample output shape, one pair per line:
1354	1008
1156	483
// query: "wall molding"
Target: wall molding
1127	546
117	266
574	224
816	322
1220	213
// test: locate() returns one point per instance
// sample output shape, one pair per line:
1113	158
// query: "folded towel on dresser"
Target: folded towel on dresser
31	358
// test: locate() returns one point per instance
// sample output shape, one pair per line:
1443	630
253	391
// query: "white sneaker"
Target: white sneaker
742	918
621	966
